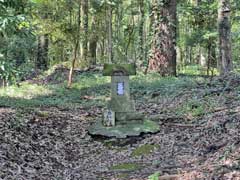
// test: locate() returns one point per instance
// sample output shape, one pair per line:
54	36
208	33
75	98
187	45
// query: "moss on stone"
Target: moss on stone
126	167
144	150
121	104
124	131
126	69
43	114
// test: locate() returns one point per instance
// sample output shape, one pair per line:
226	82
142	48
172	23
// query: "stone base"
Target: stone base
124	131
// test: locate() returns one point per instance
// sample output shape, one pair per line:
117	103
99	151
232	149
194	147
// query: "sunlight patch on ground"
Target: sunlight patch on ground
26	91
90	80
6	110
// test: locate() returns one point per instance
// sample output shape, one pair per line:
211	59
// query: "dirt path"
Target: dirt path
53	144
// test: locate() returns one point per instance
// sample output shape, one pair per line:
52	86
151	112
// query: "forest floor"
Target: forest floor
43	129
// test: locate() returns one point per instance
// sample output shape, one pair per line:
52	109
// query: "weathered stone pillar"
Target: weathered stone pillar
121	119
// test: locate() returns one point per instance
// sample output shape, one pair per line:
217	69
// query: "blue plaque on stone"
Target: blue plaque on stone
120	88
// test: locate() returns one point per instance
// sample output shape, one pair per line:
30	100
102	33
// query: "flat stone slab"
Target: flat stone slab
124	131
125	69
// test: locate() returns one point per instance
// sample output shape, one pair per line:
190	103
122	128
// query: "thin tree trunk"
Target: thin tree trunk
181	58
130	36
93	43
224	29
213	58
85	27
190	55
141	30
102	46
42	52
110	50
70	77
76	48
209	61
153	14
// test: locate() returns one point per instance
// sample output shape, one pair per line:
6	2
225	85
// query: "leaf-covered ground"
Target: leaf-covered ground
43	130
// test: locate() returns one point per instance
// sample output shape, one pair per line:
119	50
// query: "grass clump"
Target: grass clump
122	176
154	176
144	150
126	167
193	108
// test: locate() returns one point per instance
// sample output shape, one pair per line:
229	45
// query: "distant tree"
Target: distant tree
42	52
141	30
110	32
43	37
85	11
224	29
93	41
76	38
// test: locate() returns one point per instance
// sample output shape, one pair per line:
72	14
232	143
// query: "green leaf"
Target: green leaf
155	176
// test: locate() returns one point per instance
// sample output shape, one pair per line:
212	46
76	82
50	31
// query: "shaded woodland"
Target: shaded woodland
164	36
52	88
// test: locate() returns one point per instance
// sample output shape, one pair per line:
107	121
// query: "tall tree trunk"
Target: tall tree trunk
42	52
181	59
85	27
130	36
224	29
102	48
110	50
152	18
209	60
93	43
163	58
141	30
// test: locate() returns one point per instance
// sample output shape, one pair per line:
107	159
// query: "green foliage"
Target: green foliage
153	82
194	108
154	176
7	72
11	16
202	18
22	21
196	70
17	39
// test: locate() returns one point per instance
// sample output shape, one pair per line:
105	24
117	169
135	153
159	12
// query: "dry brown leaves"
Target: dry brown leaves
53	143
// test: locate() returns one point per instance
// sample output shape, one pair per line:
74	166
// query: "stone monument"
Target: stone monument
120	119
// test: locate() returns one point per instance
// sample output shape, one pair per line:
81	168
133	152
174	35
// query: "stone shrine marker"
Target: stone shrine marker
121	119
